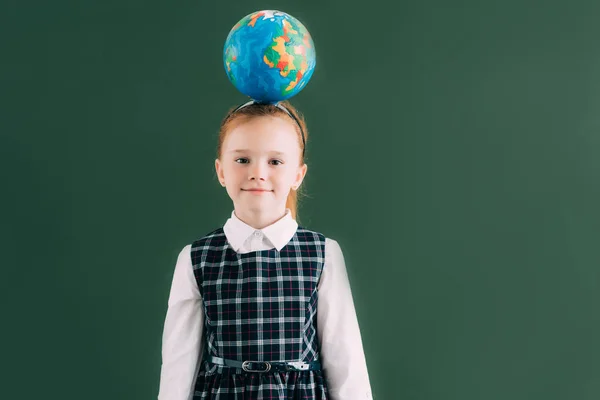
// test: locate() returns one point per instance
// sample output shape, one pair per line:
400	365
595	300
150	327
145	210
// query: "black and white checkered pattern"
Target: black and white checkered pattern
260	306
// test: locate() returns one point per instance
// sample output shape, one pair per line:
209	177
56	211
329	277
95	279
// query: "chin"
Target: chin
261	207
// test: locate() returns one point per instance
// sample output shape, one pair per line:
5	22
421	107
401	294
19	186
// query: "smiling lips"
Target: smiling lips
256	190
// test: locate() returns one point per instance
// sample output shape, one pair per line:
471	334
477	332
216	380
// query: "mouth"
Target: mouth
256	190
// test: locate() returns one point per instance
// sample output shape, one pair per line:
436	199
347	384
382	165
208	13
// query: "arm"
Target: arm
182	335
343	359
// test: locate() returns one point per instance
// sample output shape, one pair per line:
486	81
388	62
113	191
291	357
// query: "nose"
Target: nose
257	171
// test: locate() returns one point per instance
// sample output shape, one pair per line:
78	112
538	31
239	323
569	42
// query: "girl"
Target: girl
262	308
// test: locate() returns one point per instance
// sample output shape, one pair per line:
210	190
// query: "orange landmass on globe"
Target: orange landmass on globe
286	60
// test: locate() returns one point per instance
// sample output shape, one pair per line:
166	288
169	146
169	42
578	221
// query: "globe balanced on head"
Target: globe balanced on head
269	56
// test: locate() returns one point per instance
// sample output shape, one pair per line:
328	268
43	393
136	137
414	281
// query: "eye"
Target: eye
276	162
242	160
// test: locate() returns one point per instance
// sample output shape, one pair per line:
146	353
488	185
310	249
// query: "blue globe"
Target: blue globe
269	56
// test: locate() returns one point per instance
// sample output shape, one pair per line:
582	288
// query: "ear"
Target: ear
300	176
219	169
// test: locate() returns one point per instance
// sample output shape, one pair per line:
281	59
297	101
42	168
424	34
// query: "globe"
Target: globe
269	56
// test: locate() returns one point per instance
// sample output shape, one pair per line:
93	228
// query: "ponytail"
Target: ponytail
292	203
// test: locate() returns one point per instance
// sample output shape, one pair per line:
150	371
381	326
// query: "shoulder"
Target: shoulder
333	252
331	245
214	238
184	255
211	242
304	235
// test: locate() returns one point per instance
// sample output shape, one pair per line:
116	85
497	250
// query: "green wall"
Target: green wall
454	154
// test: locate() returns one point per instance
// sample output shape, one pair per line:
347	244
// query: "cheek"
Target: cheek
232	171
286	177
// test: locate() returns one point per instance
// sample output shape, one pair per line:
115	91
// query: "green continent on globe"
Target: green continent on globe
229	59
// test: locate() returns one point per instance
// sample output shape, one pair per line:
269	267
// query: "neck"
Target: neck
259	219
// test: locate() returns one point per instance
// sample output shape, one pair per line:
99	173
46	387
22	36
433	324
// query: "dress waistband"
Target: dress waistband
266	366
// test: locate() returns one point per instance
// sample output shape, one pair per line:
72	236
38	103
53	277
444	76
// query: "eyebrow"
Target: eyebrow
277	153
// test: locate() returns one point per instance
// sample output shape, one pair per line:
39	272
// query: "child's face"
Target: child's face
260	164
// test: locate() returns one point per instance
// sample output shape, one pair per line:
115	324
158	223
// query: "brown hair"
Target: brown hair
256	110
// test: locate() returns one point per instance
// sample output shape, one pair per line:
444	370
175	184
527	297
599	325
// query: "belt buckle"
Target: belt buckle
300	365
247	369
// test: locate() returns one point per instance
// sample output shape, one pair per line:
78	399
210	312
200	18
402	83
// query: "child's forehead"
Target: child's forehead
264	134
246	146
269	123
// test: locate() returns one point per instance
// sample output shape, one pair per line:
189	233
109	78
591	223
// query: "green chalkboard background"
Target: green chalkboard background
454	155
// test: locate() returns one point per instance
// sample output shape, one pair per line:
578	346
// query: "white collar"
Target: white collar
278	233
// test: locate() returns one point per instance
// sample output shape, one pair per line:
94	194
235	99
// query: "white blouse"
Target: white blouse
342	356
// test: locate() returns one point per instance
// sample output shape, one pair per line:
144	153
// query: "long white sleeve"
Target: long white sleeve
182	335
342	354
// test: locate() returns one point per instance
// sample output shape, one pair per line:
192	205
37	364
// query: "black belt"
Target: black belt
278	366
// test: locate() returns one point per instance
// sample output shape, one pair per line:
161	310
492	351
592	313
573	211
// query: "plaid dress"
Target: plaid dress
259	306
